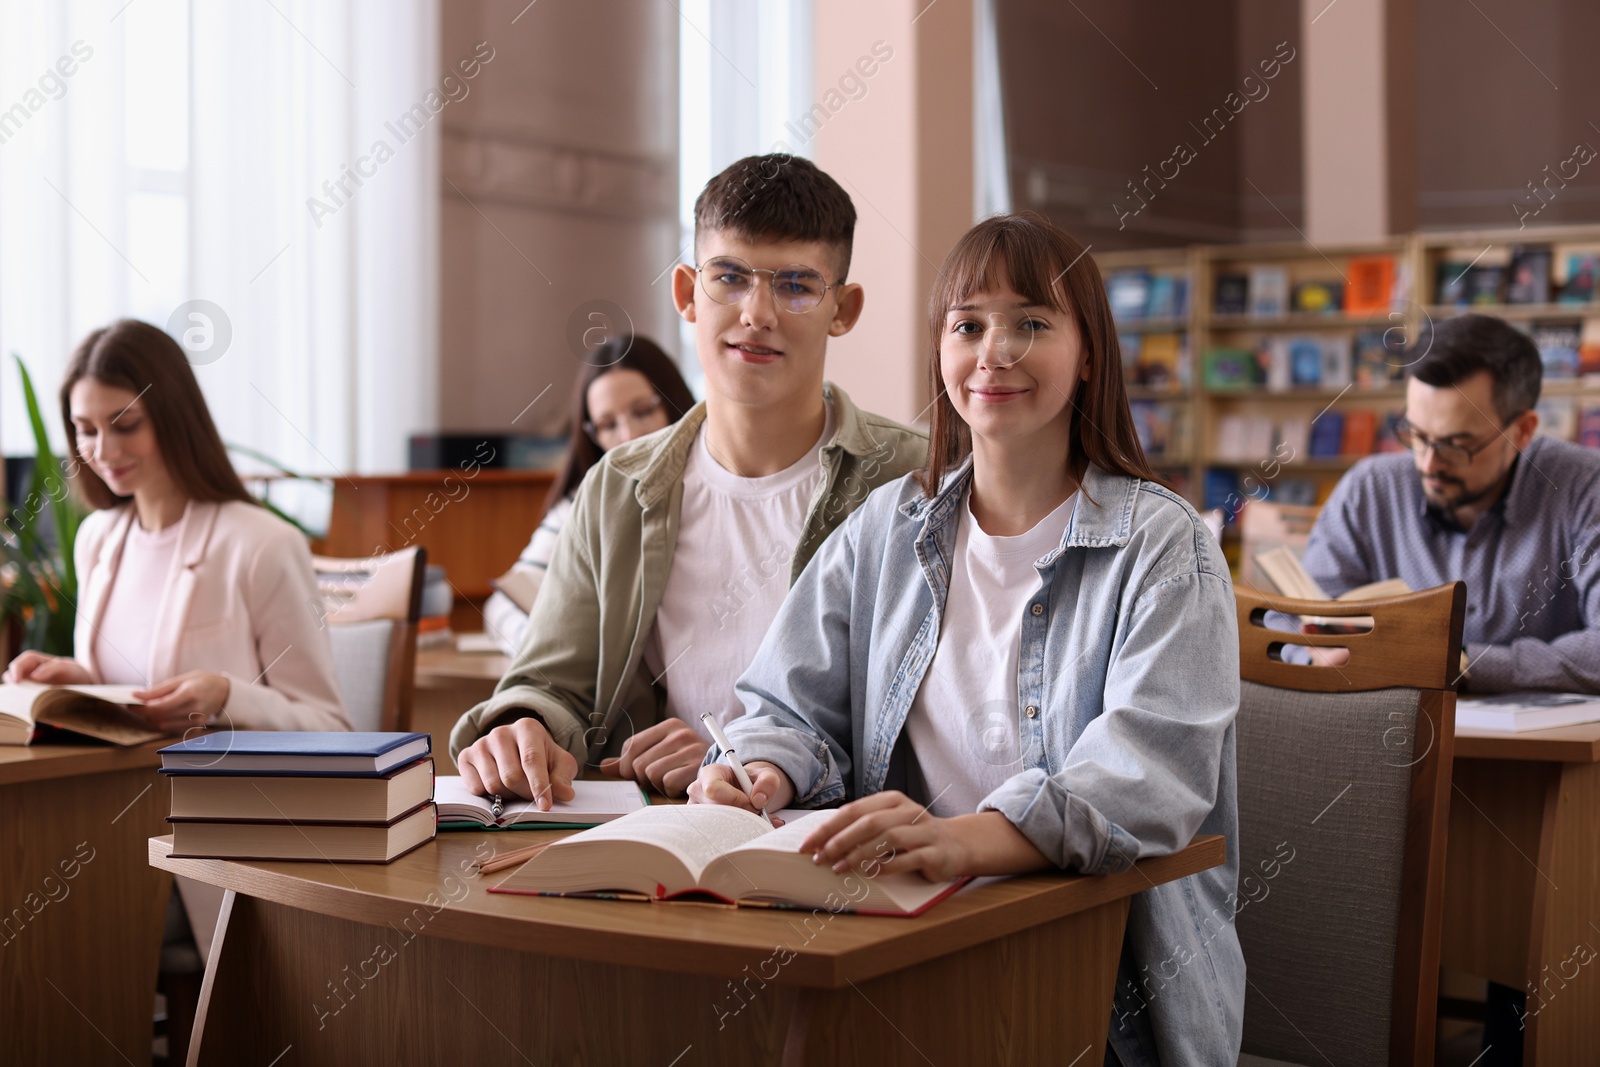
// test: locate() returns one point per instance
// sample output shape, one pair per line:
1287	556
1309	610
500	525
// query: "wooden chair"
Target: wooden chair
372	608
1345	770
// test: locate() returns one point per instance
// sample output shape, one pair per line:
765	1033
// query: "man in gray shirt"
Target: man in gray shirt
1480	499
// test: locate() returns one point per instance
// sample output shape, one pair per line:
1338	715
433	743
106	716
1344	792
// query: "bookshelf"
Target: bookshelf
1275	400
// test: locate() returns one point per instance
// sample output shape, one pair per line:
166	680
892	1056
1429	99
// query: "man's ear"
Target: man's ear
683	278
1523	429
846	310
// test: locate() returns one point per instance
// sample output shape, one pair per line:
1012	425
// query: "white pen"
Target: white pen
738	768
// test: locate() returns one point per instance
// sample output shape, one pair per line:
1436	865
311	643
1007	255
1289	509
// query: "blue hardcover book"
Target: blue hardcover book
1327	435
288	752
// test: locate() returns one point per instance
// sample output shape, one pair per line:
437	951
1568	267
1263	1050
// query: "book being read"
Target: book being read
593	803
29	712
1285	571
682	850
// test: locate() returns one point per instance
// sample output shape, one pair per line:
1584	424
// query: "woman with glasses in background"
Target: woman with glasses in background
629	387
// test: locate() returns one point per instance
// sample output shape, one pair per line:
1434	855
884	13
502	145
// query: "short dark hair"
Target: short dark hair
1458	348
144	360
778	197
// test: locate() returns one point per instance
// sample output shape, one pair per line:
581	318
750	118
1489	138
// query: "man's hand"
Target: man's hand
37	667
519	759
189	700
666	756
717	785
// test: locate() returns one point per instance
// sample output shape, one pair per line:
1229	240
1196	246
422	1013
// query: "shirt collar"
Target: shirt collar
1102	516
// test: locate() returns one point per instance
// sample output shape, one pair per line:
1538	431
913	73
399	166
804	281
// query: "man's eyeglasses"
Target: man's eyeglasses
796	288
638	414
1449	453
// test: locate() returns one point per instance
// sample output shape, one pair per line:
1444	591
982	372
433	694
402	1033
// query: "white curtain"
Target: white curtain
230	153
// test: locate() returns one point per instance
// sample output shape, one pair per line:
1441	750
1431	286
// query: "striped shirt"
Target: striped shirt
1531	563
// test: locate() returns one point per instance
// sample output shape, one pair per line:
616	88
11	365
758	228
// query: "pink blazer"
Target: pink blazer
241	601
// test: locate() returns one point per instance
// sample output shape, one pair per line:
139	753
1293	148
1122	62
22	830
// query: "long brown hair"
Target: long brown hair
140	358
1048	267
620	353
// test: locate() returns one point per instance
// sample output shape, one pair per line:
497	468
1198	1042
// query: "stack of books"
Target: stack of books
281	795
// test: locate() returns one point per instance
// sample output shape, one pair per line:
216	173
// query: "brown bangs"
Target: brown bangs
1050	268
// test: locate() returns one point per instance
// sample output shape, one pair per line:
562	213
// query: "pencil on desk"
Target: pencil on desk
512	858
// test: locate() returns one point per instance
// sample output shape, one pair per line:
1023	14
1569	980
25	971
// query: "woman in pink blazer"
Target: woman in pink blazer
187	587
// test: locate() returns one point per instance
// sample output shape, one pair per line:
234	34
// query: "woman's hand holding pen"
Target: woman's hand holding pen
717	784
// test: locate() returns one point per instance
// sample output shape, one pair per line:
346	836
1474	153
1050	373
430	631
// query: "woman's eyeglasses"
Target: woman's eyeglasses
635	416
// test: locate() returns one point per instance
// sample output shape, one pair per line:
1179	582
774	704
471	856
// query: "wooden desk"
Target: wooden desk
340	964
78	954
1522	883
448	684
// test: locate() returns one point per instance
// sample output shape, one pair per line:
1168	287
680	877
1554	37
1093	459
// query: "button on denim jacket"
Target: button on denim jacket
1130	662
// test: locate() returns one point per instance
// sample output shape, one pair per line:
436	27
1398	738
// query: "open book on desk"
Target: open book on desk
29	712
593	803
1527	710
1290	578
682	850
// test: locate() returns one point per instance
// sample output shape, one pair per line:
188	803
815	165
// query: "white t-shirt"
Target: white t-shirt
730	573
122	642
963	721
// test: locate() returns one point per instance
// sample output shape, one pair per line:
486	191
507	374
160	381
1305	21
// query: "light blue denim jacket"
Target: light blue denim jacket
1130	656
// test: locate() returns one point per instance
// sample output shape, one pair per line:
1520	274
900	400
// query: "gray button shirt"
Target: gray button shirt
1531	563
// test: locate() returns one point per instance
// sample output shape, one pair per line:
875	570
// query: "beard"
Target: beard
1452	494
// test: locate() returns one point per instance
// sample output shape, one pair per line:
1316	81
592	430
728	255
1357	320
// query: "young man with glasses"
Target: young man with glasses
682	545
1480	499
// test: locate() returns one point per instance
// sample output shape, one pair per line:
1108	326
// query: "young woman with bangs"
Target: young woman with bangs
1024	656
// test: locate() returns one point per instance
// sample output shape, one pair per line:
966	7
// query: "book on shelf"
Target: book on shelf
1244	438
30	712
1450	283
1577	270
1220	489
1231	295
1305	361
1300	492
1528	710
1360	432
1327	435
1373	365
1336	360
1589	348
1318	297
1128	290
291	752
1529	278
1558	417
336	842
1269	291
593	803
1558	344
319	798
1169	296
1294	438
678	851
1589	427
1388	437
1232	368
1161	362
1483	285
1369	286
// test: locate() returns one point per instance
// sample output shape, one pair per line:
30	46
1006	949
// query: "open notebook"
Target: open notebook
593	803
680	850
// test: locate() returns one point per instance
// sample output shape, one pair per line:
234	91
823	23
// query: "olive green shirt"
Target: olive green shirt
581	668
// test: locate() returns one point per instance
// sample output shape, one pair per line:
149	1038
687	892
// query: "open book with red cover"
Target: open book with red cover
683	850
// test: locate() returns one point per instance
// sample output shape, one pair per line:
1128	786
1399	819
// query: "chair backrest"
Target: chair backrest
371	609
1344	789
1264	525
